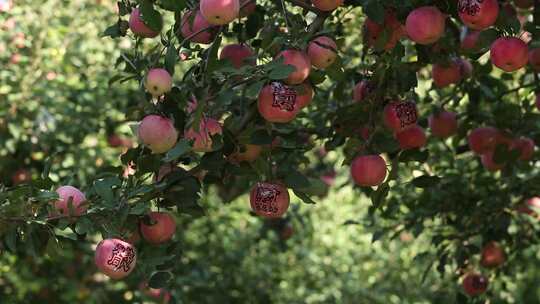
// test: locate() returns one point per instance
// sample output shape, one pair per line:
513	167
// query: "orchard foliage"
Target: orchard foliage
427	108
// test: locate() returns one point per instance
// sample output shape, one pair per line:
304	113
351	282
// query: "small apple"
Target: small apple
238	54
391	27
115	258
327	5
482	140
445	74
400	115
158	133
478	14
161	228
470	41
21	176
534	59
443	124
301	63
368	170
138	27
493	255
220	12
250	154
286	232
322	52
509	54
192	25
269	199
158	82
411	138
475	284
526	147
529	206
362	89
425	25
70	195
202	138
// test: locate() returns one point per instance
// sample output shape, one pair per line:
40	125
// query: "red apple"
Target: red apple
250	154
138	27
158	82
529	206
322	52
160	294
470	41
191	25
368	170
71	194
327	5
158	133
300	61
304	93
475	284
526	147
478	14
509	53
425	25
394	30
465	68
278	103
238	54
220	12
493	255
286	232
160	230
482	140
361	90
489	163
400	115
534	59
411	138
269	199
202	138
443	124
115	258
445	74
21	176
247	9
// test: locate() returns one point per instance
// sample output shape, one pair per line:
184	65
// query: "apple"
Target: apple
362	89
322	52
161	228
534	59
524	4
247	7
238	54
249	154
70	195
475	284
329	178
157	133
478	14
327	5
489	163
269	199
368	170
509	53
482	140
445	74
493	255
279	103
220	12
300	61
202	138
425	25
400	115
526	147
304	93
138	27
158	82
411	138
465	68
529	206
115	258
470	41
21	176
373	30
443	124
192	25
157	293
286	232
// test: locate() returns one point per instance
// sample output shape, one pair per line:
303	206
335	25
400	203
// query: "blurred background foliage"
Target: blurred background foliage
58	113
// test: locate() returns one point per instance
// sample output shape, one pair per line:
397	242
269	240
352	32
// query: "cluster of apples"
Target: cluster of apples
492	256
483	141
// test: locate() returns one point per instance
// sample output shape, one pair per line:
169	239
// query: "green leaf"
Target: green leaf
159	279
281	72
170	58
150	16
260	137
377	197
375	11
182	147
173	5
426	181
296	180
112	31
304	197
